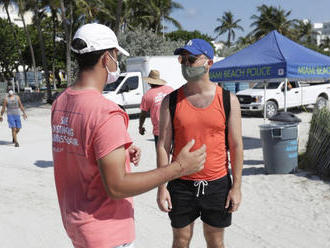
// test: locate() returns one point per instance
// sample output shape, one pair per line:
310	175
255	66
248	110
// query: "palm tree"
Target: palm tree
38	12
270	19
118	14
67	21
244	41
304	31
54	6
228	24
6	4
107	13
160	10
74	13
22	9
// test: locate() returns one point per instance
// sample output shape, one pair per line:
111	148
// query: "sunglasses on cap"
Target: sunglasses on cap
183	58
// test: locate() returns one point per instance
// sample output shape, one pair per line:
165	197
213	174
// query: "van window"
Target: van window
113	86
132	83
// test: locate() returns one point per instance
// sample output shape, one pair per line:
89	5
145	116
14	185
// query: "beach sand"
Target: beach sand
277	211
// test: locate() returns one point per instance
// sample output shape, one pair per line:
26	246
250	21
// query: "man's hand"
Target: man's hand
24	116
142	130
164	199
134	154
233	199
191	162
1	118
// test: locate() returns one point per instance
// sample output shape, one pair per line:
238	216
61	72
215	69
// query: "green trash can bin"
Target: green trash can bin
279	141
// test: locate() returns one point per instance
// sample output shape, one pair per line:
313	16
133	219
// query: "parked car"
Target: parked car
301	93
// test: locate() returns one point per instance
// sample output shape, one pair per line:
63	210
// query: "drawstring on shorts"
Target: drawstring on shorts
198	184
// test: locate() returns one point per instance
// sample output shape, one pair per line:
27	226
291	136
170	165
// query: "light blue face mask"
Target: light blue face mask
193	74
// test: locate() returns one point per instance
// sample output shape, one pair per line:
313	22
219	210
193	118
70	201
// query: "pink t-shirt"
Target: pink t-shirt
151	101
85	128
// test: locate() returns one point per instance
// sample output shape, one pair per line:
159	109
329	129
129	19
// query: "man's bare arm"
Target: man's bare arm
21	106
121	184
165	134
236	154
142	119
235	141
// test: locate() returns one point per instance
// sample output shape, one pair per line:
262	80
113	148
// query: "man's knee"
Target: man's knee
182	238
215	243
214	237
181	242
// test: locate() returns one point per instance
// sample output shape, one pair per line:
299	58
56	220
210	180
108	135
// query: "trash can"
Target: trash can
279	141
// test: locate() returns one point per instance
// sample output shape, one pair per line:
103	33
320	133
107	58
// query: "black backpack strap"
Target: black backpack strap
172	108
226	106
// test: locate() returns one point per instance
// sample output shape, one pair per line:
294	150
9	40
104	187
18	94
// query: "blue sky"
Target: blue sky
202	14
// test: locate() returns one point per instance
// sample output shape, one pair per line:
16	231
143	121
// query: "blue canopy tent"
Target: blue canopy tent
272	57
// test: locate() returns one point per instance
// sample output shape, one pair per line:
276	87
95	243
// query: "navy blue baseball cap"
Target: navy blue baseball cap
197	47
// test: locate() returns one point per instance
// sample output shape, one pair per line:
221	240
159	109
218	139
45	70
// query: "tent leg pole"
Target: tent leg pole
285	91
265	110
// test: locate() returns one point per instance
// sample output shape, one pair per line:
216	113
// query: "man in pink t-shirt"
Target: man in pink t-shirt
151	101
92	150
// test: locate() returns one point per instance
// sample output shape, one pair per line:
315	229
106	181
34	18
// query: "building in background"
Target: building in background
321	32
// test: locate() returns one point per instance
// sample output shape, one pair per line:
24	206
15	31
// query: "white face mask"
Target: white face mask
112	76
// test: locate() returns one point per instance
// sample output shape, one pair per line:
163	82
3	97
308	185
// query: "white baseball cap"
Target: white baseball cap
97	37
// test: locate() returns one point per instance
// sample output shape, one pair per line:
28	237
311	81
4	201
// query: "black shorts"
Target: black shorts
189	202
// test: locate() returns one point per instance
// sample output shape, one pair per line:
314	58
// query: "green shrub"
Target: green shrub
317	156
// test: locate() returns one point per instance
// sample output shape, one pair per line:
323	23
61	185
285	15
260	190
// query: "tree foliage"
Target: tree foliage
140	25
187	35
228	25
144	42
9	56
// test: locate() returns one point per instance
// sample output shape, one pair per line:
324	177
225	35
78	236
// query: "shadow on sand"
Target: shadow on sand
43	163
4	143
251	143
252	171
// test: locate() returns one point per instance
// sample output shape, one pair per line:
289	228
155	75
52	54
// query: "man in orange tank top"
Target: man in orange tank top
200	115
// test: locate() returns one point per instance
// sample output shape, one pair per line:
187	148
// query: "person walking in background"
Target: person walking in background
200	114
92	150
152	100
13	103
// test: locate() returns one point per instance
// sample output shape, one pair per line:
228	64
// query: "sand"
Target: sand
286	211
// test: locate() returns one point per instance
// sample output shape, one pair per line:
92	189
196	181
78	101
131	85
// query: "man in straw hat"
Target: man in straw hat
92	150
152	100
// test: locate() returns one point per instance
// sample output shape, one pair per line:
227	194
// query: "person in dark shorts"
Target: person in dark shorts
191	202
200	114
13	104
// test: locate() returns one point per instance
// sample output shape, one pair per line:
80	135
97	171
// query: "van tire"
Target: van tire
271	109
321	102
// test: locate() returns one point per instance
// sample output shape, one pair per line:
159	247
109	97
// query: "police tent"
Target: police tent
274	57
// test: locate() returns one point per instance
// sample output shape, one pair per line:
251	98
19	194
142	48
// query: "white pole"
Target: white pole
13	84
265	106
163	27
285	91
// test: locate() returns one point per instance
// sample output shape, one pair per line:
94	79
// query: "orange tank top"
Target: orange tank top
206	126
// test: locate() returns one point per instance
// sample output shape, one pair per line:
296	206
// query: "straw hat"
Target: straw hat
154	78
